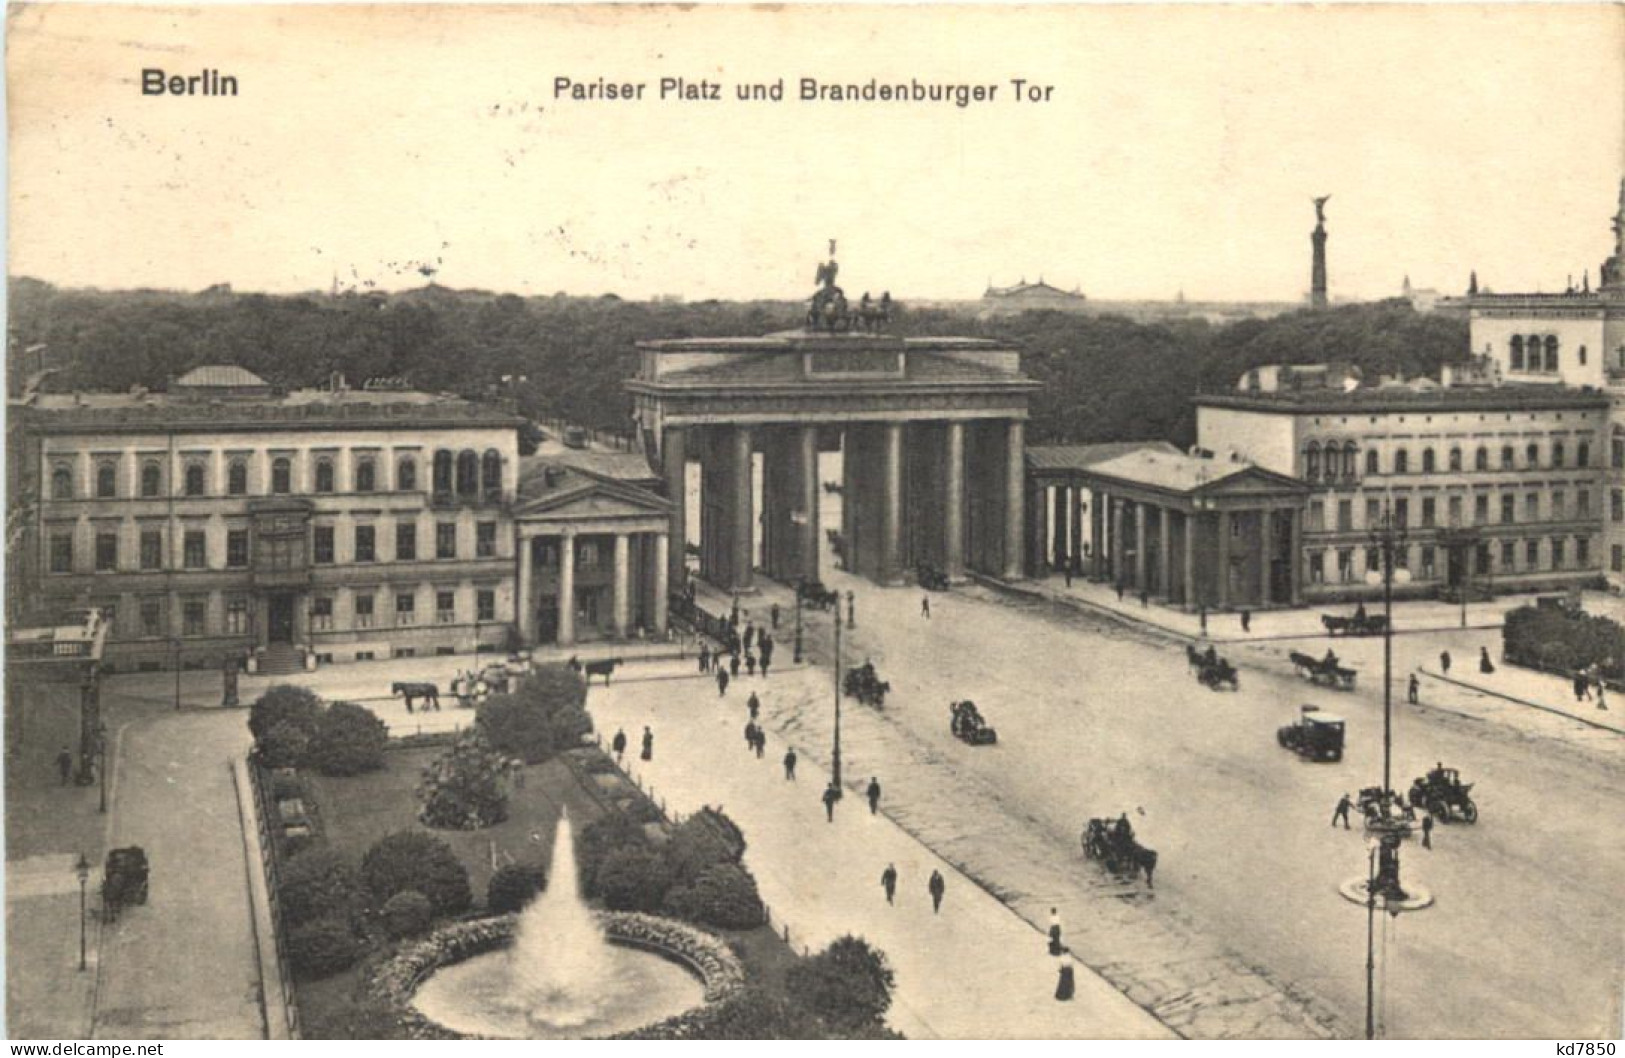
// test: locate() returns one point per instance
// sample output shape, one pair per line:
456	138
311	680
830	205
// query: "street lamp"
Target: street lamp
1389	536
836	755
798	627
101	764
176	642
1370	938
82	869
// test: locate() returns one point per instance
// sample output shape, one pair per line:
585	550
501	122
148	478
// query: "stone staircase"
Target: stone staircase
281	659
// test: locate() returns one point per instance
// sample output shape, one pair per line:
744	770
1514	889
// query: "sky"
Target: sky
1179	149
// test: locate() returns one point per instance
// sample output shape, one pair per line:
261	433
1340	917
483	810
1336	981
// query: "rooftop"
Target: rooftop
128	412
226	376
1087	456
1174	471
1405	398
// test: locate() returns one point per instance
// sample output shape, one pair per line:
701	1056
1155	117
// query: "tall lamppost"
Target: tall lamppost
82	869
1370	938
798	627
1389	537
177	644
836	754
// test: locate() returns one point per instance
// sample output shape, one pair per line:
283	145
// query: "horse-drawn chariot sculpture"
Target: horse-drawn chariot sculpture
813	593
1323	672
1360	624
1445	797
1112	843
1212	671
865	685
124	880
1315	735
967	724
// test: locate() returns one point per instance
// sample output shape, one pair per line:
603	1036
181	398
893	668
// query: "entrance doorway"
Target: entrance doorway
547	619
280	619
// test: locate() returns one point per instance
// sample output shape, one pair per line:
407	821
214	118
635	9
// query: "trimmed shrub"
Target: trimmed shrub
543	715
724	895
349	740
704	840
1553	638
283	746
512	887
462	789
408	860
406	914
315	884
600	838
284	704
847	984
633	879
322	947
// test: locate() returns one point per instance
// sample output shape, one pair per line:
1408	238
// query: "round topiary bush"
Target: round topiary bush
513	886
724	895
323	946
543	715
406	914
633	879
848	983
349	740
601	837
317	883
284	704
410	859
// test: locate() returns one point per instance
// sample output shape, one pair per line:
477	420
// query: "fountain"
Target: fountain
560	978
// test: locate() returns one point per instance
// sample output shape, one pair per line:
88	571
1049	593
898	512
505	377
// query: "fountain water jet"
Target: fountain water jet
560	962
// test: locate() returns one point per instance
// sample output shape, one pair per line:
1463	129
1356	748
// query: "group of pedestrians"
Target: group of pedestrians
618	744
937	886
753	651
1584	680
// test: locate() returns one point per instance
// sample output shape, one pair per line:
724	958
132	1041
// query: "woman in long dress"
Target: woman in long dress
1067	984
1055	945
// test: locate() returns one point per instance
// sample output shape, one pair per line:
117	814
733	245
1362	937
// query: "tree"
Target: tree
411	859
284	704
406	914
317	883
462	789
513	886
543	715
604	835
285	745
323	946
633	879
349	740
848	983
723	895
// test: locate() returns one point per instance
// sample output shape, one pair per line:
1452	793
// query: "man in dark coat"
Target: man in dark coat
1427	831
754	704
1413	691
648	744
619	745
774	613
831	795
733	664
937	887
888	882
790	764
1342	811
705	657
722	681
874	794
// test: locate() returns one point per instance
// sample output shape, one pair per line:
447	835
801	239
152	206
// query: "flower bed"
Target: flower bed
709	957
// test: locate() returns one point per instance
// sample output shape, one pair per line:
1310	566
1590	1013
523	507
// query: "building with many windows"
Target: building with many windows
221	519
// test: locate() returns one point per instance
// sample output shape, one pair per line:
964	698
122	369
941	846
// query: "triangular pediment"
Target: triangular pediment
1253	481
593	498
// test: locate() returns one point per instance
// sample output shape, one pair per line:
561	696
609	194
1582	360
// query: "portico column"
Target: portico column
523	604
1014	496
809	502
567	588
1117	542
662	586
1140	509
953	522
674	451
1265	524
622	595
743	553
1296	558
1193	524
1098	504
1165	558
1224	560
891	511
1074	533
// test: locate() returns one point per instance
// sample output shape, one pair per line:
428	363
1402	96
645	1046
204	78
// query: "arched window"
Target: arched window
1551	352
61	483
324	475
443	461
106	481
1427	461
1582	454
152	479
1455	459
281	476
1351	460
366	475
1371	464
1532	455
1481	458
406	474
1517	352
237	477
1311	461
194	479
468	474
1506	457
1558	453
491	473
1402	462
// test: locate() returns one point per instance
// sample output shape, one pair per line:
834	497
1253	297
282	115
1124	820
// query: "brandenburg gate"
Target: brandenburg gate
930	433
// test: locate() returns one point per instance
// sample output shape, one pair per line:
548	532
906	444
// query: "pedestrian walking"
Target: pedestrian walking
925	607
1411	692
790	764
750	634
516	770
722	681
1444	661
705	657
831	795
733	664
750	734
64	764
1582	690
851	609
1069	574
1427	831
648	744
1119	591
750	664
761	743
937	887
1342	811
1066	984
774	614
888	882
1246	621
754	704
874	794
1485	665
1602	702
619	744
1145	598
1201	615
765	659
1055	945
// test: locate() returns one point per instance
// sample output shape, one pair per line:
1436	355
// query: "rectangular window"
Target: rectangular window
445	607
1481	559
152	549
1582	454
1455	510
1402	512
1373	560
1427	562
485	540
1316	517
445	540
1428	504
1616	560
1509	508
366	543
1531	555
1558	555
106	552
1616	503
485	605
587	550
1481	510
194	547
363	611
152	618
1345	564
1582	503
193	613
1531	507
1509	555
236	548
62	552
1582	551
237	616
321	613
1402	558
406	542
1345	515
1317	567
406	612
1560	505
322	544
1373	513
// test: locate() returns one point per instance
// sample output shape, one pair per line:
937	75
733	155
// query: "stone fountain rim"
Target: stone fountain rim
704	954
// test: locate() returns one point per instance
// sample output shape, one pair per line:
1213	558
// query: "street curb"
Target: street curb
259	899
1523	701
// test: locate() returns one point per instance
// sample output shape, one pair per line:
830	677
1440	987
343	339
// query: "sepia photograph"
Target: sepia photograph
814	522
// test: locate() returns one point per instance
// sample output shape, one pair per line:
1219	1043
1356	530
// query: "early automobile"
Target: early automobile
1445	796
1316	735
865	685
124	880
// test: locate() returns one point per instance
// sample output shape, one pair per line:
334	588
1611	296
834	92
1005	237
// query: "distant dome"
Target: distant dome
212	376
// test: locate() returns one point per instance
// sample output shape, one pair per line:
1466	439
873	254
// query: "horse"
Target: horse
595	668
1194	659
411	691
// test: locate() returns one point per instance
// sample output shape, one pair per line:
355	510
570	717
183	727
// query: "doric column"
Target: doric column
1265	520
953	508
1074	534
891	510
1193	525
810	545
1140	509
1015	472
662	586
674	453
1296	558
1224	559
567	588
1098	502
743	553
524	606
1165	554
623	595
1118	577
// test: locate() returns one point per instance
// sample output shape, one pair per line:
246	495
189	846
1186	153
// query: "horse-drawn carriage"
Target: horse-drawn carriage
1385	810
1112	843
1212	671
931	578
124	880
1315	735
604	667
1361	624
1445	796
863	684
968	726
474	686
813	593
1323	672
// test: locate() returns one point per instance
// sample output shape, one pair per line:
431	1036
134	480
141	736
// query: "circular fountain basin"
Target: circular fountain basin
476	997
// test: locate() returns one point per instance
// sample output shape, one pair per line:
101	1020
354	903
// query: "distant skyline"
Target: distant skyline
1179	150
